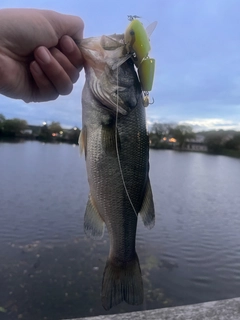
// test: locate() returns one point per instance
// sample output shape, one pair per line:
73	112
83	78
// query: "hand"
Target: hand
39	56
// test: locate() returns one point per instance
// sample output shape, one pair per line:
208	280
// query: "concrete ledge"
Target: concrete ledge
215	310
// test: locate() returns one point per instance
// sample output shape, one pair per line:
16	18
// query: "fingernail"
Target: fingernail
43	55
67	44
35	68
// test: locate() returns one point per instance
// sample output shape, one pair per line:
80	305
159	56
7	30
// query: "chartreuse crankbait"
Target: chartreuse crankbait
137	42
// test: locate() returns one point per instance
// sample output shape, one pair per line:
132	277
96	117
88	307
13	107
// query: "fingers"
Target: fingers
71	51
65	24
66	65
44	89
55	71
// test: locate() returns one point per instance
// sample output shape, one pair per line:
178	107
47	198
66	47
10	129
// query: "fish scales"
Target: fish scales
112	93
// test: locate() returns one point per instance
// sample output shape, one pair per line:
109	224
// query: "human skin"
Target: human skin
39	56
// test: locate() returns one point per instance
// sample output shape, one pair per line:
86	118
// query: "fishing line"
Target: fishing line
118	157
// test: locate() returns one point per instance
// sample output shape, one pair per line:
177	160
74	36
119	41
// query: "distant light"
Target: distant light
172	140
75	128
61	132
164	139
44	123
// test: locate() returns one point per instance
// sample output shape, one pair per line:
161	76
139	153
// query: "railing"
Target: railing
214	310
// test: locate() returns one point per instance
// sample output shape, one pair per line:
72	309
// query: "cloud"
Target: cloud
212	124
198	124
66	109
196	46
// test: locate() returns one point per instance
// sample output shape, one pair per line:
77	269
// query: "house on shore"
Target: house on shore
196	144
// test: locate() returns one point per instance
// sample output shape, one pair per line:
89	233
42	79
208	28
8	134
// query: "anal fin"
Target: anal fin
147	211
93	223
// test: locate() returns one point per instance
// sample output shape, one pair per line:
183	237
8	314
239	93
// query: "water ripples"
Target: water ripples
192	253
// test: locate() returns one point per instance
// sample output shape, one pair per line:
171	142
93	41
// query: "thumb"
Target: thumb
65	24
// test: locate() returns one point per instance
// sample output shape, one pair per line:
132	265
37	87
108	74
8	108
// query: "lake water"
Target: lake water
50	270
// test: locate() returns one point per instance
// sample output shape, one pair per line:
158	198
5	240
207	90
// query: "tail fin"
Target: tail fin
122	282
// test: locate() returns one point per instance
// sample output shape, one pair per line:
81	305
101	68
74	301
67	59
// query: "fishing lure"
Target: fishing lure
137	43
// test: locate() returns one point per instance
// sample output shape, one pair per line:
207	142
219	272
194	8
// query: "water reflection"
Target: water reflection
46	281
50	270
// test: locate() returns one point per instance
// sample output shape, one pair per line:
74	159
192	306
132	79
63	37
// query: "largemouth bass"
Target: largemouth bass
116	146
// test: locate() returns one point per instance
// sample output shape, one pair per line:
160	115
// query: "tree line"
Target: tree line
18	128
161	135
11	127
216	141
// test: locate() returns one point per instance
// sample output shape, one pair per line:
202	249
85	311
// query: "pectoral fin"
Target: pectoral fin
93	223
82	141
147	211
109	134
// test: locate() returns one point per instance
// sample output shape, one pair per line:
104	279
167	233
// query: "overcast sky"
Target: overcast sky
196	45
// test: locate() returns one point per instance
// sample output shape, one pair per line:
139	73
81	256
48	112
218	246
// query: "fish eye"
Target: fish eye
131	33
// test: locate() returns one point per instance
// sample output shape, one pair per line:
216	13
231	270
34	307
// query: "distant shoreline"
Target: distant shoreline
19	139
161	136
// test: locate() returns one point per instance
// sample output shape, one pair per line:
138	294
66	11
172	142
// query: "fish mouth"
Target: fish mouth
91	50
103	48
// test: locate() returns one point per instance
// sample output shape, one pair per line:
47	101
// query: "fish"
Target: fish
115	142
